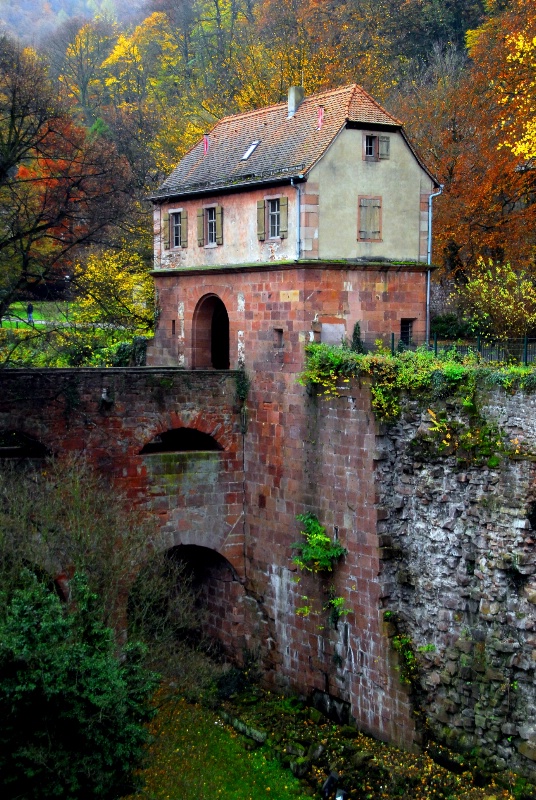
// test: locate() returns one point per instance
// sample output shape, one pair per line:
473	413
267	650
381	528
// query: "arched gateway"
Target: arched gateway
211	334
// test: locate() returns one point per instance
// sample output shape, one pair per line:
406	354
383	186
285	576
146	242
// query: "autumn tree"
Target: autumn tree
453	112
115	289
500	301
60	188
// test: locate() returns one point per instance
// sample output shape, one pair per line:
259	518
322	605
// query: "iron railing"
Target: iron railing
520	350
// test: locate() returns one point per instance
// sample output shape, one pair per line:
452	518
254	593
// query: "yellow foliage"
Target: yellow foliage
115	288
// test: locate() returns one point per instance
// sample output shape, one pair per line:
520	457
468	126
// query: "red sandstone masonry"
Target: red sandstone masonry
300	453
305	453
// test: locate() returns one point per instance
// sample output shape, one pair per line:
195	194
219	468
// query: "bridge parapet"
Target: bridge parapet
109	415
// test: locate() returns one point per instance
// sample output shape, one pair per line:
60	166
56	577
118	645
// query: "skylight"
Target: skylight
250	149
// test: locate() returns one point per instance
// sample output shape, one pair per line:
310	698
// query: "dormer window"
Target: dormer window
250	149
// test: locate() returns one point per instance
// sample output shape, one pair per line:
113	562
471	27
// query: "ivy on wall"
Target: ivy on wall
419	373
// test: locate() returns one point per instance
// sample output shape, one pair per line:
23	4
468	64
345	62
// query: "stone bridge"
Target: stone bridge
169	439
447	551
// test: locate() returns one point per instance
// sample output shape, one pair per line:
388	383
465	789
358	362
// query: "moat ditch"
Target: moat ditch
269	729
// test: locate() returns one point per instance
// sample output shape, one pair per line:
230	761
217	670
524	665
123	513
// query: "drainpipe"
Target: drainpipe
429	260
298	219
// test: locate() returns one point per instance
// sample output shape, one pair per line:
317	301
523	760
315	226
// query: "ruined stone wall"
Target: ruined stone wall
108	415
447	552
459	577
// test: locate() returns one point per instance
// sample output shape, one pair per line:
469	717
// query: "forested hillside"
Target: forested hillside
122	98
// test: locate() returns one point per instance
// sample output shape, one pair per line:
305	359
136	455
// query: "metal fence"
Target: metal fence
521	350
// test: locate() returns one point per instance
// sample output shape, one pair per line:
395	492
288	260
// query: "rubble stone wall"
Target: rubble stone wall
459	577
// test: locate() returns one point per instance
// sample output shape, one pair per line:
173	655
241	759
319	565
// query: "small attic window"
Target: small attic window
250	149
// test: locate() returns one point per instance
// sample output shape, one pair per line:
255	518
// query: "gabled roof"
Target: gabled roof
287	147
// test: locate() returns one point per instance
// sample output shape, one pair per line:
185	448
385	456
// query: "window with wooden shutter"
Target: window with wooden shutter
283	217
369	219
201	227
385	147
261	221
219	225
166	233
184	228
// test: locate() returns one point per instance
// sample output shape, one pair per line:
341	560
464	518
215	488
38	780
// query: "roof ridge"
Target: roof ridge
375	103
252	111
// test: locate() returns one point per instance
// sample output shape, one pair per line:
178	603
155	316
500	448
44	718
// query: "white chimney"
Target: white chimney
295	97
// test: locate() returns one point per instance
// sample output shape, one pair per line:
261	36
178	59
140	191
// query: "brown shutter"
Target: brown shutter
370	217
166	233
184	229
375	217
385	147
201	227
283	217
261	220
219	225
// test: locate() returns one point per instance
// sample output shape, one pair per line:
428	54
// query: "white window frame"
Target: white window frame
273	206
376	146
173	214
210	226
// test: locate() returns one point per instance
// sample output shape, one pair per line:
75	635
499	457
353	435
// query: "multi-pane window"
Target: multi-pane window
371	143
274	218
406	331
176	229
211	225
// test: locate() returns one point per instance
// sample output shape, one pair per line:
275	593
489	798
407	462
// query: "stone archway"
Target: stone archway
211	334
220	596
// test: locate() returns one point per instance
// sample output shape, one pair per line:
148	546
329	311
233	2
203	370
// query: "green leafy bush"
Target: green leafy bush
317	553
72	709
420	373
450	326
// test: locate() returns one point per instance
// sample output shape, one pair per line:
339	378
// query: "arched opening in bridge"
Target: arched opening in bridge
211	334
195	594
17	445
181	440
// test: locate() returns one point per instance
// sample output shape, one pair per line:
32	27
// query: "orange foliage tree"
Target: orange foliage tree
459	114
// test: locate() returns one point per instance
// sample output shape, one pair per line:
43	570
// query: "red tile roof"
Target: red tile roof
288	147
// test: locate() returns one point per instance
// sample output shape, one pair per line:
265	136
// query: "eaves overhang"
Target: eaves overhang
226	187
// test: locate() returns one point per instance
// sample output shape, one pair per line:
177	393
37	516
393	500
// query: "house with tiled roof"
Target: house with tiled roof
284	226
329	179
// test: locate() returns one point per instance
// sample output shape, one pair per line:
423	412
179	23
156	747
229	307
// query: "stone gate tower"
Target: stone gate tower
283	226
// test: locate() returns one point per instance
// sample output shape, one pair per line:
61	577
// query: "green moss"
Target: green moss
420	373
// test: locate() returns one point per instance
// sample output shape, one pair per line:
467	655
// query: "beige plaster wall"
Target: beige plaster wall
342	175
240	242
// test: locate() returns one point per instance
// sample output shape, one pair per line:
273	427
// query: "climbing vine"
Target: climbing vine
420	373
317	553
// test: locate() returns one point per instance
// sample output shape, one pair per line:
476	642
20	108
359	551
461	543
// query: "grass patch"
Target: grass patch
197	757
45	310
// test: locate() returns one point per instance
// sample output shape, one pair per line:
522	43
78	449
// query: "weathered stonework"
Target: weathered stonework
448	551
459	575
